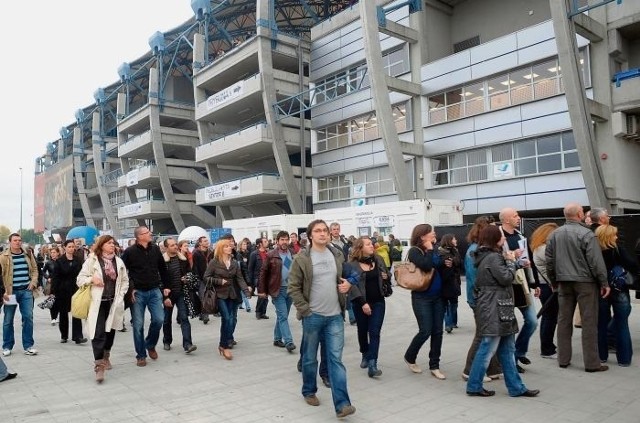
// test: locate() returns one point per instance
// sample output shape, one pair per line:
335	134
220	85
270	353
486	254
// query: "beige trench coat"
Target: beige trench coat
116	313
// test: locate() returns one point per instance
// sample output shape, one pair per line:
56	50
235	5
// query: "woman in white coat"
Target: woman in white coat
106	274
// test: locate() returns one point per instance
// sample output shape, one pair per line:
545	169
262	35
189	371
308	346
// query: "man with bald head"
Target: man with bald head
509	225
577	272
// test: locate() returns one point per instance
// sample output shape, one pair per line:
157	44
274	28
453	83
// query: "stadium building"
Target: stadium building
255	108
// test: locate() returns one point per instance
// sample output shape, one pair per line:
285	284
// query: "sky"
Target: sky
56	54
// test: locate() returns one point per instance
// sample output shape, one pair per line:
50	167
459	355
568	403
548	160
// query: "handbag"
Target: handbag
619	278
410	277
81	301
210	301
48	302
387	289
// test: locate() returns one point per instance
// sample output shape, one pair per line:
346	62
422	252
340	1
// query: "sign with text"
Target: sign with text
227	94
226	190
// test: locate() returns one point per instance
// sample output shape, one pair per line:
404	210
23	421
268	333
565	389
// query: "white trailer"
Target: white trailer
267	226
397	218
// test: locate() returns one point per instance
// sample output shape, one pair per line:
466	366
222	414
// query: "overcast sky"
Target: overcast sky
55	55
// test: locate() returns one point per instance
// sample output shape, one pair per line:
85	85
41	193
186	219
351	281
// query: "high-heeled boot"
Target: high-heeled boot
99	369
373	369
107	362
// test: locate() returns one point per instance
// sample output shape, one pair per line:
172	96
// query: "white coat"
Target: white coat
116	313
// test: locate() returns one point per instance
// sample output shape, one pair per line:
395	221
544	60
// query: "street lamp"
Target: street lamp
21	202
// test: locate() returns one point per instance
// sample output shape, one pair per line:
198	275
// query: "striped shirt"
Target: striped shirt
20	271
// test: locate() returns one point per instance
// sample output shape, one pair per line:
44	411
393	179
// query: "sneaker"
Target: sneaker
190	349
553	356
312	400
524	360
278	343
413	367
53	322
6	353
345	411
166	347
290	346
30	351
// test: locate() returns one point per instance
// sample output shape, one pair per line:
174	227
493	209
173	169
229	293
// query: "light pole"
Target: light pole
20	202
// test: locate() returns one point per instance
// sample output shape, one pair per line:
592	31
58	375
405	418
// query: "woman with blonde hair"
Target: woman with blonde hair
549	319
368	273
224	274
619	299
107	276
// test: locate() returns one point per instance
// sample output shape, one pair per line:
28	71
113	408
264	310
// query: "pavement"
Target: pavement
262	384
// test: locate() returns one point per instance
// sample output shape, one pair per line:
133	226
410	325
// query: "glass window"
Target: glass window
458	160
358	177
568	141
501	153
549	163
474	98
525	148
521	88
571	160
478	173
459	176
498	89
545	79
525	166
439	163
476	157
547	145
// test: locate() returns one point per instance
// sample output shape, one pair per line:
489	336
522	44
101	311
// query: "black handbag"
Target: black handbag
210	301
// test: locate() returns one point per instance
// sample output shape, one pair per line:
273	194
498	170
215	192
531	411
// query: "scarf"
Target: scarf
109	269
366	260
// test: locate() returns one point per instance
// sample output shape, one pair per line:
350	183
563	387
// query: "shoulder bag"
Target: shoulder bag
81	301
210	301
410	277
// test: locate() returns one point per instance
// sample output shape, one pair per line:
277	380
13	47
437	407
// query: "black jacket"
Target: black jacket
146	267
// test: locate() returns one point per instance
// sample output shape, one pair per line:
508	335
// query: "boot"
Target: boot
373	369
107	363
99	369
364	363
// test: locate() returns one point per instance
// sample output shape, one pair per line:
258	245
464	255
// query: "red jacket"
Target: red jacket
271	273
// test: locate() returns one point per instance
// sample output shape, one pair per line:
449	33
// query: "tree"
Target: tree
4	234
30	237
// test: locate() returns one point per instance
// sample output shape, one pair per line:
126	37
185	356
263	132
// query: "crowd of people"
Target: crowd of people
328	278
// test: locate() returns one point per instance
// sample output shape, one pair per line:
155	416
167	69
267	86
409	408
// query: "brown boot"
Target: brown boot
99	369
107	363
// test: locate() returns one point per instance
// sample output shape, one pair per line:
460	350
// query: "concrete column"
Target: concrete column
99	166
380	94
584	134
78	159
265	61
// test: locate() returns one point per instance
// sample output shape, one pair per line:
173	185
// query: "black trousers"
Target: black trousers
261	306
102	341
63	325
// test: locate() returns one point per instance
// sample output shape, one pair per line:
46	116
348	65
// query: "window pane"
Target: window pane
568	141
358	177
436	116
322	146
548	145
549	163
478	173
571	160
436	101
501	153
525	148
454	96
322	183
454	112
441	178
439	163
498	101
323	195
458	160
344	193
372	188
526	166
476	157
459	176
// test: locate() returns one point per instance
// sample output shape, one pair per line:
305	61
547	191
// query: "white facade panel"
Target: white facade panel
380	158
446	65
493	49
557	181
537	52
535	34
556	199
452	79
497	118
545	124
448	144
498	133
548	106
456	127
495	65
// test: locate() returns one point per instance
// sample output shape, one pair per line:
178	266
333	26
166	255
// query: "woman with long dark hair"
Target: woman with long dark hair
368	273
428	306
47	273
224	273
65	273
448	250
105	272
495	315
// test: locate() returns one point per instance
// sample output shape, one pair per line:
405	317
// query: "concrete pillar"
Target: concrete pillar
99	167
78	159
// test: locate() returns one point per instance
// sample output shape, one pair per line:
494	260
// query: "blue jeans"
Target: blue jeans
548	321
429	312
330	328
352	316
527	330
451	313
24	298
620	302
282	304
245	301
505	345
185	325
369	328
4	372
228	319
151	299
322	371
